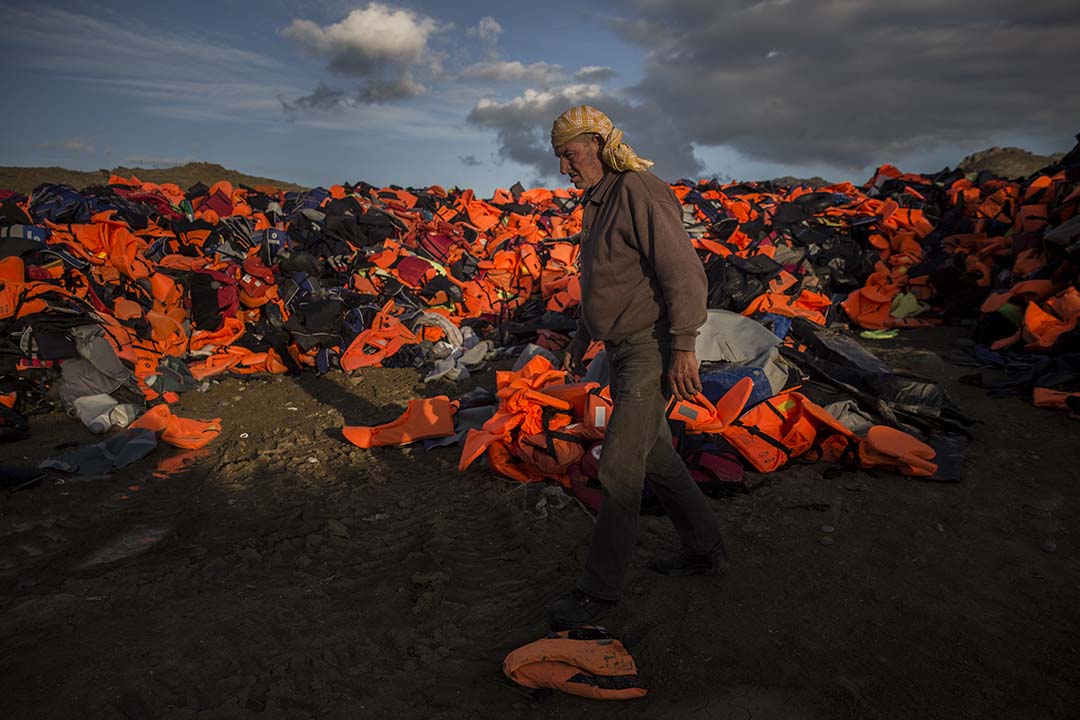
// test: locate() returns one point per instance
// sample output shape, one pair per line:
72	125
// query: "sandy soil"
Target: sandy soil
287	574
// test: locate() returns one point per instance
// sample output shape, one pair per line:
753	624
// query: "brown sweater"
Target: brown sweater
638	268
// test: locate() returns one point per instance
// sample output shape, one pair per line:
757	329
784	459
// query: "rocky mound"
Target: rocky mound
25	179
1007	162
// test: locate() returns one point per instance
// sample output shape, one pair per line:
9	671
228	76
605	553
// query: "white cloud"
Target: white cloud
166	73
540	101
143	161
504	71
71	145
488	30
366	38
523	125
385	48
89	44
594	74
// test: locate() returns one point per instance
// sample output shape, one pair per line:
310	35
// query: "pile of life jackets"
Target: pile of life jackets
181	286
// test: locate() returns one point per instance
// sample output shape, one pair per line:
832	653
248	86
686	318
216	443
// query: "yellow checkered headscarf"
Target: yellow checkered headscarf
582	119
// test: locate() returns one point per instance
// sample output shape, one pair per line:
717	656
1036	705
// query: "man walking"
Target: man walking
643	294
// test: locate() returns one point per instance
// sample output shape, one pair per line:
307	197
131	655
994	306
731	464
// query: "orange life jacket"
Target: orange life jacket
598	407
181	432
503	462
423	418
553	452
587	662
1057	399
231	330
12	282
886	446
701	416
217	363
384	338
807	304
574	394
526	406
784	427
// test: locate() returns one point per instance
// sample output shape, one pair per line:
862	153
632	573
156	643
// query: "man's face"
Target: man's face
579	159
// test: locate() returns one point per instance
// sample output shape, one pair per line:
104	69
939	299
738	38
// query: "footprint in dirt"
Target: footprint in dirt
743	702
139	540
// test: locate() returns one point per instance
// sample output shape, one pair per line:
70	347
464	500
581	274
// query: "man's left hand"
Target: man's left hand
683	375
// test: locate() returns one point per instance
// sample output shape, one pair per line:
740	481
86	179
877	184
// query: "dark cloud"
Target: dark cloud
400	87
854	84
323	99
469	160
523	126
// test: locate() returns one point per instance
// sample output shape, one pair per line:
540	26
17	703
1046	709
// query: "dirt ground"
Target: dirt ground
287	574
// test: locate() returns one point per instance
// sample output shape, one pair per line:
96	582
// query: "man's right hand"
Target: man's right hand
572	356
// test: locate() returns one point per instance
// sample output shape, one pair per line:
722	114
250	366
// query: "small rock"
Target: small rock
826	540
376	517
1049	546
827	529
303	561
334	527
250	555
313	460
214	567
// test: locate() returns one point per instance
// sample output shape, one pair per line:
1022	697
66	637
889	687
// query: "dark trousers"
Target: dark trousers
637	443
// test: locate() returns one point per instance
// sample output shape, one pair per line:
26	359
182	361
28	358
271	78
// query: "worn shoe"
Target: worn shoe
683	563
576	609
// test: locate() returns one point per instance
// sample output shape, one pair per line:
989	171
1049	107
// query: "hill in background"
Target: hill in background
1007	162
25	179
791	181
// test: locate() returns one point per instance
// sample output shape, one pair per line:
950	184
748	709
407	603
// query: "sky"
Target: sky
420	92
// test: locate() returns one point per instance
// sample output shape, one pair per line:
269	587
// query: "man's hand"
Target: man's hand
572	355
683	375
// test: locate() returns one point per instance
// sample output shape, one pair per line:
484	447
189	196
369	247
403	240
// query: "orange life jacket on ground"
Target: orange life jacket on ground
181	432
587	662
385	337
784	427
423	418
886	446
1057	399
